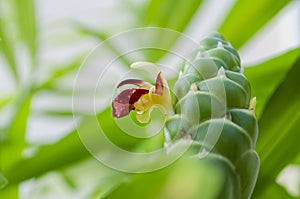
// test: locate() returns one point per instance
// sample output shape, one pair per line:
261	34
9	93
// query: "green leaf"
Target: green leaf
108	185
48	158
275	191
171	14
57	74
14	141
186	178
247	17
57	113
269	74
62	153
25	11
7	48
5	100
279	127
297	160
102	37
11	192
3	181
155	11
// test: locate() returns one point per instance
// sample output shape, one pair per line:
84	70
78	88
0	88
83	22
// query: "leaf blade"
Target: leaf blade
7	49
25	11
276	191
175	15
242	21
14	141
279	126
269	73
3	181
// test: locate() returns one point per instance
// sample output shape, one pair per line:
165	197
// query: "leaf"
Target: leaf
7	48
204	180
68	150
247	17
102	37
3	181
48	158
297	160
108	185
57	113
6	100
58	73
25	11
171	14
15	136
279	129
282	153
10	192
275	191
269	74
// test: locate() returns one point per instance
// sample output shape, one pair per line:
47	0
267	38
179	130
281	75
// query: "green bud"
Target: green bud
212	93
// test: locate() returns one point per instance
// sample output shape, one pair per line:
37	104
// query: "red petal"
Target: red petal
123	103
159	86
136	82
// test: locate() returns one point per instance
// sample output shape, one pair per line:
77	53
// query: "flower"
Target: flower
144	98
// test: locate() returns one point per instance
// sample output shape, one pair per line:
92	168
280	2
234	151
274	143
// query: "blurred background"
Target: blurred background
43	43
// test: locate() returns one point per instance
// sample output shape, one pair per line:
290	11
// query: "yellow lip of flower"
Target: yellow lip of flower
144	98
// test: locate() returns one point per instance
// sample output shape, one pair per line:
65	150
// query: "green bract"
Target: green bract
212	100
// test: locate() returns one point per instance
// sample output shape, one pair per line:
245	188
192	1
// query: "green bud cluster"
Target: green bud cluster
213	108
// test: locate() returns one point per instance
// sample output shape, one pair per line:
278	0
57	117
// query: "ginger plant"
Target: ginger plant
211	107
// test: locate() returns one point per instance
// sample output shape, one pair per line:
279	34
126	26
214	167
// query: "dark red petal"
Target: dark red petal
120	110
136	82
159	85
138	92
123	103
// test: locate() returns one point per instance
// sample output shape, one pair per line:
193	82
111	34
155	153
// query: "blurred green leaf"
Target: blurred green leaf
102	37
247	17
297	160
48	158
171	14
58	73
62	153
275	191
68	180
7	48
5	100
108	185
57	113
3	181
269	74
14	141
11	192
25	11
279	141
156	13
186	178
